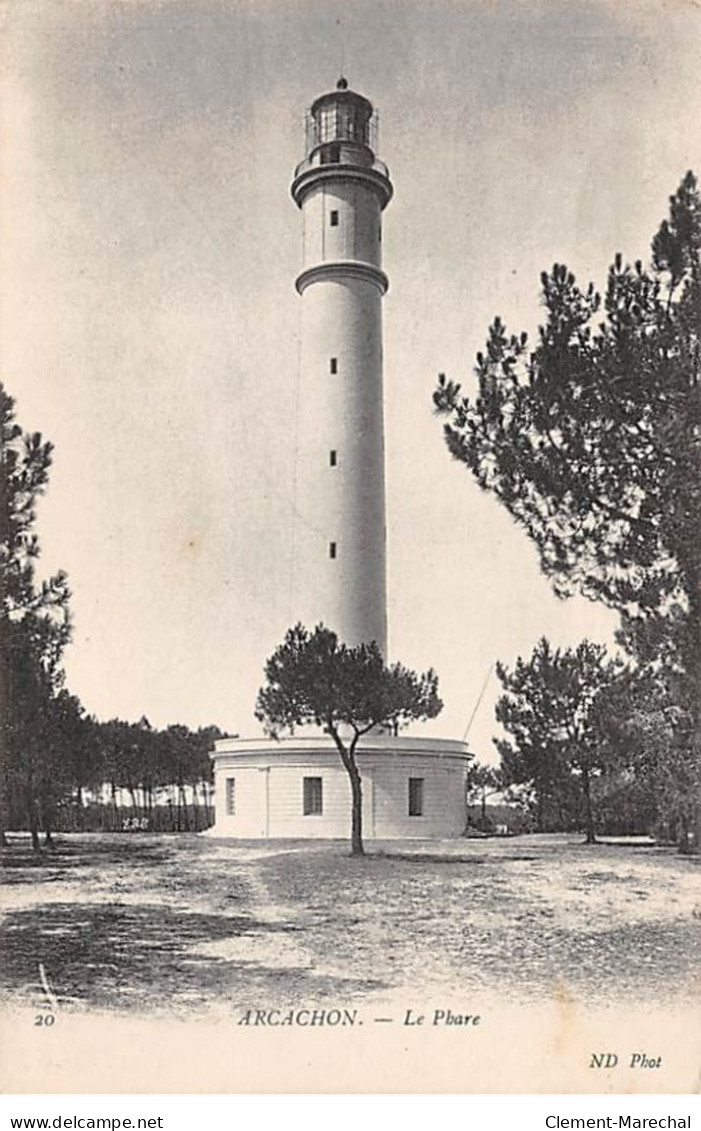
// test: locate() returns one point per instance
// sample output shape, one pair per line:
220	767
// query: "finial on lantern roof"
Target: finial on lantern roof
342	83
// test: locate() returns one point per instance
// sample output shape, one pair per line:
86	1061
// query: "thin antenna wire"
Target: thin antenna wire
296	516
341	52
479	700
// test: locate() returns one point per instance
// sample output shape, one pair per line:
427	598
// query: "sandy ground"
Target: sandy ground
193	926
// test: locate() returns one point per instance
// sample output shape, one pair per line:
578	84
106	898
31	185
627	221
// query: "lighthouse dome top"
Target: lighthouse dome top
341	115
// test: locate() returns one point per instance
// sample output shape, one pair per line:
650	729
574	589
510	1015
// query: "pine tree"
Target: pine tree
553	711
314	678
34	627
591	439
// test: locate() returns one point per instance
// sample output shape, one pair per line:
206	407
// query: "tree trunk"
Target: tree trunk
586	786
5	696
33	823
564	819
183	802
540	801
115	807
195	806
79	808
348	759
4	809
208	815
357	848
692	662
484	810
694	840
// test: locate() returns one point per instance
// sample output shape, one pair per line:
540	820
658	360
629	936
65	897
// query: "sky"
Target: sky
149	324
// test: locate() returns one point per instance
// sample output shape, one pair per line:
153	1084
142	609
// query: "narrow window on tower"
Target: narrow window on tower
333	365
333	219
313	799
231	797
416	797
332	549
334	154
332	458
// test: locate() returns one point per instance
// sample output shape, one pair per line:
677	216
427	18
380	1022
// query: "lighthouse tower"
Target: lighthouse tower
341	188
297	787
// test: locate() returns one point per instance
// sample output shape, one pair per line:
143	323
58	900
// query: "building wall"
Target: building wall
269	796
444	811
357	235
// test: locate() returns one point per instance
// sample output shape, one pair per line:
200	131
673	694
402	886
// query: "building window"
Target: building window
333	365
332	549
313	797
333	219
327	123
231	797
332	458
334	154
416	797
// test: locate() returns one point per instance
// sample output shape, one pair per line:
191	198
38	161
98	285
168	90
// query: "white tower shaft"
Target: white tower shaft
340	537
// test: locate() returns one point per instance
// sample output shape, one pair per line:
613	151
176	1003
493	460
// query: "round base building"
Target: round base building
298	788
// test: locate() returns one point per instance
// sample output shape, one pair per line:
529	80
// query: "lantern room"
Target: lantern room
341	130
